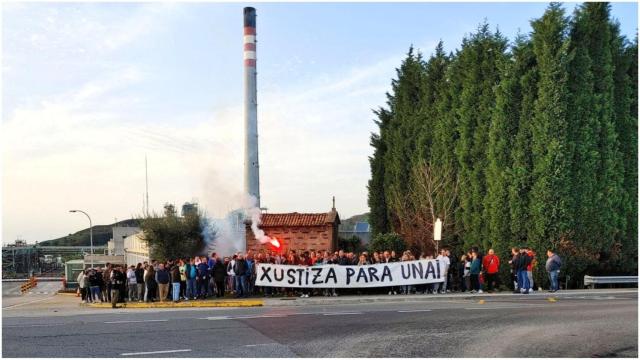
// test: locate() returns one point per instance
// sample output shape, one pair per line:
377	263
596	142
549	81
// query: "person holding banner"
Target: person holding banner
404	289
305	260
404	274
387	258
328	259
444	259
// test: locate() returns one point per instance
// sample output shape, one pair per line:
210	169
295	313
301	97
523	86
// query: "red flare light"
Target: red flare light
275	243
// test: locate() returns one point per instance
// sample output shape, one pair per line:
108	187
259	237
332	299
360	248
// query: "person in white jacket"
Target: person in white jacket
445	262
231	275
82	285
132	283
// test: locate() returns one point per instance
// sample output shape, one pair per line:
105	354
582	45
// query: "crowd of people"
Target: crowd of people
204	277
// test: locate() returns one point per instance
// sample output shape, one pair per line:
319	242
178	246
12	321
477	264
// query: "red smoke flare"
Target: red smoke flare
275	243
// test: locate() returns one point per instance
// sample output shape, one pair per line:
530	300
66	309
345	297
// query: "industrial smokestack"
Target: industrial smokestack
251	167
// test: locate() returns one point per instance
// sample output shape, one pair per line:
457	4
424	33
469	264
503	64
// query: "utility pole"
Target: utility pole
146	180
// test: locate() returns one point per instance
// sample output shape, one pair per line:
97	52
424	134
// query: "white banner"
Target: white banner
337	276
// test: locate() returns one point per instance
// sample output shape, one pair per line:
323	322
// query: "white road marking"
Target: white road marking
261	344
343	313
238	317
155	352
410	311
132	321
30	302
32	325
523	306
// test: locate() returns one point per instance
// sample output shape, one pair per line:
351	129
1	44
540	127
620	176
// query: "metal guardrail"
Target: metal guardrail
591	281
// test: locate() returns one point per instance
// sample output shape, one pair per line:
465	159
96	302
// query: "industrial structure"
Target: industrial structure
251	165
20	259
296	231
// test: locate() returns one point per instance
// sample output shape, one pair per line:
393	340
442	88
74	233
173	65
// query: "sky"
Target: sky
89	89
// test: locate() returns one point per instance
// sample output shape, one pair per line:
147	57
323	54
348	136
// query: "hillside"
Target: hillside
348	224
101	235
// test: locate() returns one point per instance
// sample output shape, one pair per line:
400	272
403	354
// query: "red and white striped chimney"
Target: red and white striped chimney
251	167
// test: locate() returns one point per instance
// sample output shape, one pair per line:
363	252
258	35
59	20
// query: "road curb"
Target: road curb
351	299
184	304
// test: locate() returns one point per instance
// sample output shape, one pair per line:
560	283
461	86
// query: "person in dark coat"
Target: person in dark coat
522	263
240	269
140	282
219	273
175	282
515	252
117	280
123	286
152	285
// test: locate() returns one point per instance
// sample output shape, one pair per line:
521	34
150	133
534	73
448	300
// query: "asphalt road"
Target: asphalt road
599	325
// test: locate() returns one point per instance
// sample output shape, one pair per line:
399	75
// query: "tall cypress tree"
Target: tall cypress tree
583	132
610	169
625	114
631	159
406	110
433	93
478	71
442	154
520	173
438	71
502	131
376	199
549	204
597	160
509	148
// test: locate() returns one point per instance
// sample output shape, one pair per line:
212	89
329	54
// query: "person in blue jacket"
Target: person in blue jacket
476	267
203	278
192	275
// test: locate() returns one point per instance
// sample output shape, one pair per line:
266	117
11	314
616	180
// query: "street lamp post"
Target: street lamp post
437	232
90	232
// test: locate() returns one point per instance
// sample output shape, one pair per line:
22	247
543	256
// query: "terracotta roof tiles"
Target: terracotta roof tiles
297	219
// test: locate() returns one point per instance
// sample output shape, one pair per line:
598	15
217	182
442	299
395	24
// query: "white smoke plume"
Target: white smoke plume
254	213
224	232
225	236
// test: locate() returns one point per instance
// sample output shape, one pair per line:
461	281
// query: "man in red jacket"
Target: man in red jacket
491	265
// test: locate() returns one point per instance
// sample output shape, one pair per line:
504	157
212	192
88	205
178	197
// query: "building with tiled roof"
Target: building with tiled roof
297	231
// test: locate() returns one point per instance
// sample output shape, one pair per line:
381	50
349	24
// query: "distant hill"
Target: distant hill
348	224
101	235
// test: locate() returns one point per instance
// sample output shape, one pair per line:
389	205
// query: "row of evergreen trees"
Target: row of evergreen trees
537	141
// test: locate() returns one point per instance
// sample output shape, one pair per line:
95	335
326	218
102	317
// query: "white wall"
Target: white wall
119	232
135	250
